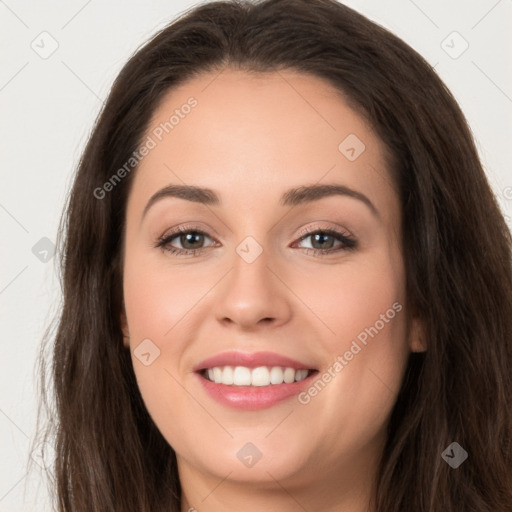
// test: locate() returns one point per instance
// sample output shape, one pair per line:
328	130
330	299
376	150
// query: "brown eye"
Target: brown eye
184	241
328	241
191	240
322	241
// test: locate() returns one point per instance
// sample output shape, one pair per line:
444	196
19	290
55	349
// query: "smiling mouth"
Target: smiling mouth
255	377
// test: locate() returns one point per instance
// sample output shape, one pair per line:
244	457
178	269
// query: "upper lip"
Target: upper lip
250	360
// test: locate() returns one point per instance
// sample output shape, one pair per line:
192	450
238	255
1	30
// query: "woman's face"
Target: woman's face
271	261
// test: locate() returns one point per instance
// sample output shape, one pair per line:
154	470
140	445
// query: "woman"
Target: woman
287	283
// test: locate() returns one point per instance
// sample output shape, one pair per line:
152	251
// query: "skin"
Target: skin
250	138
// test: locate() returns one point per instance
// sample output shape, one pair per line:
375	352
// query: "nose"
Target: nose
253	295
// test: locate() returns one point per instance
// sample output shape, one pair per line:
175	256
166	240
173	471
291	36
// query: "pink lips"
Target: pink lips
250	361
252	397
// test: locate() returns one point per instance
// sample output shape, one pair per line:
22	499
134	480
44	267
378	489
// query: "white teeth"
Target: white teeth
260	376
301	375
217	374
241	376
289	375
227	375
276	375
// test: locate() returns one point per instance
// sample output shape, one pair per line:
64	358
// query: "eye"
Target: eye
323	241
189	240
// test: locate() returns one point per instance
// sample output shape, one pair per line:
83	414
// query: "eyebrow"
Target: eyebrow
292	197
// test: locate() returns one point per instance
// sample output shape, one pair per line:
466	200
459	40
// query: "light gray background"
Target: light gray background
47	110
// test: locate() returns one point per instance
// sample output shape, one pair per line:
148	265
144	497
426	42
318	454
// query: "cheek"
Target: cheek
351	297
368	350
363	382
157	299
156	306
162	304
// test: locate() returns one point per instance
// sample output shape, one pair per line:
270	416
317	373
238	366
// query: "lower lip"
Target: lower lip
252	398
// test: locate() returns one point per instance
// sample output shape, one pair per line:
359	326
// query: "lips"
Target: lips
254	360
263	389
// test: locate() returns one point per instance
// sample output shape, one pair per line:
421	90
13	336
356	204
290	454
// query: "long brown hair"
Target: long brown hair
109	453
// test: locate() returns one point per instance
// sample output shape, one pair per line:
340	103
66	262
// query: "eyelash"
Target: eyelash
348	243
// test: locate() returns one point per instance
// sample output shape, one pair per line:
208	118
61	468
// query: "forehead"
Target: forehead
259	134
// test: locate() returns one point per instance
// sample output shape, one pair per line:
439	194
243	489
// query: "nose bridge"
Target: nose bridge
251	262
252	293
